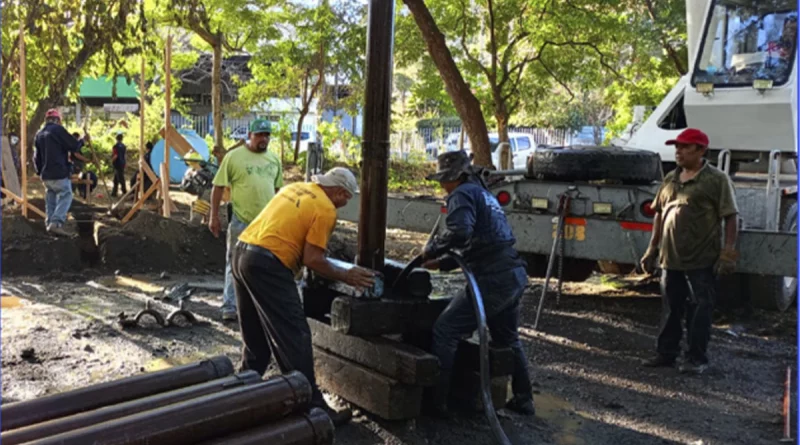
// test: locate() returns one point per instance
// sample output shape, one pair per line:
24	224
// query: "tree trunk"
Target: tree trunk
461	139
502	126
466	104
216	98
303	113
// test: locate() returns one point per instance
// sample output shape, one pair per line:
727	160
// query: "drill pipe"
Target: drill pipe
16	415
417	284
191	421
80	420
314	428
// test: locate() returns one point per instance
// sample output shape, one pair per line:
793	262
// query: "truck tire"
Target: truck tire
575	270
594	164
612	268
774	292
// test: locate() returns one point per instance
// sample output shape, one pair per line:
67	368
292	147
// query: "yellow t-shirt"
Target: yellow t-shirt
300	213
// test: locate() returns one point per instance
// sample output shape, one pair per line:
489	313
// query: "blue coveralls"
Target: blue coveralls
478	228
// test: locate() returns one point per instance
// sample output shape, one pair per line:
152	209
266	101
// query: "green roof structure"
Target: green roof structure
102	86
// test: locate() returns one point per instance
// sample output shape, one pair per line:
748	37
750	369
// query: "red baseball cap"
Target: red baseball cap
690	136
53	112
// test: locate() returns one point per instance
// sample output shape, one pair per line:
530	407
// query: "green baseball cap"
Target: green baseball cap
260	126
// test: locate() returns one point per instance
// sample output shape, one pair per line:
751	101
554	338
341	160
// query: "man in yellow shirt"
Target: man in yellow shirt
291	232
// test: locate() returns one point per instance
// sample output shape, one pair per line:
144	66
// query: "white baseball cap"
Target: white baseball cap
338	177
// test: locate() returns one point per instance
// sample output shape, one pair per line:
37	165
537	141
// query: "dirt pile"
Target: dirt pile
27	249
150	242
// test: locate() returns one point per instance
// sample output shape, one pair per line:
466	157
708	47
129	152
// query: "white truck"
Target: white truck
740	90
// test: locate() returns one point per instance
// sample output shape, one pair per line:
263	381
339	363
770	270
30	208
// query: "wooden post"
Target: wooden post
23	131
141	129
168	122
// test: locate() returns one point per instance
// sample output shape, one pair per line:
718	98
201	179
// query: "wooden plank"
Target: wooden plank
501	360
165	179
125	196
141	201
167	209
23	120
176	141
149	172
379	317
142	164
380	395
391	358
19	200
9	170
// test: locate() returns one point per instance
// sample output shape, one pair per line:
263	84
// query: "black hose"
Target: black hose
480	314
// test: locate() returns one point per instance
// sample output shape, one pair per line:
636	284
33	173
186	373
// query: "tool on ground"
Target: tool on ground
787	407
181	312
563	211
480	314
148	310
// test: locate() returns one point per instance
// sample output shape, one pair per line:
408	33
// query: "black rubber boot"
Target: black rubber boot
438	407
522	405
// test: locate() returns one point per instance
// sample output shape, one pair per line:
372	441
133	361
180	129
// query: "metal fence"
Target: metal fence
202	124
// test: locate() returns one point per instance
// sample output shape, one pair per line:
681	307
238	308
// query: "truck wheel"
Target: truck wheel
576	270
612	268
595	163
773	292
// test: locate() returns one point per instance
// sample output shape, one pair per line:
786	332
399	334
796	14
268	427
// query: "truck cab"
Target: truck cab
741	84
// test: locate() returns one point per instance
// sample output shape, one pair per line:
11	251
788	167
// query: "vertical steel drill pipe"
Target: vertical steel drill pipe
87	418
192	421
314	428
29	412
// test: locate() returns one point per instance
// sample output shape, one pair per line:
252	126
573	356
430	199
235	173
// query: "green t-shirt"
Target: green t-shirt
252	177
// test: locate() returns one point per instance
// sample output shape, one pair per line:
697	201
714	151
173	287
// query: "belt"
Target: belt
255	249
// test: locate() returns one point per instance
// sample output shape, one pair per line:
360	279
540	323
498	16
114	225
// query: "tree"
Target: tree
64	43
229	25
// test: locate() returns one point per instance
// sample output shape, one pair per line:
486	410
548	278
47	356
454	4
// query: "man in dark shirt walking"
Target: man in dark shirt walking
690	206
53	147
118	162
478	228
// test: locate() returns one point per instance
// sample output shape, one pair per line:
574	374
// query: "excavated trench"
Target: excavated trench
147	243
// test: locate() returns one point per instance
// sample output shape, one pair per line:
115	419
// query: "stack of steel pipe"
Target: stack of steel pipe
199	403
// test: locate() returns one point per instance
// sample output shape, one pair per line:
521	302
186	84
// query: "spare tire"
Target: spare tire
594	164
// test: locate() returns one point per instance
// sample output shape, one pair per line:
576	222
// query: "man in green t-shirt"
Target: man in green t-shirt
254	176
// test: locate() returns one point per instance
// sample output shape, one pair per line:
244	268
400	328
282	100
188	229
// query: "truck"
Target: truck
740	90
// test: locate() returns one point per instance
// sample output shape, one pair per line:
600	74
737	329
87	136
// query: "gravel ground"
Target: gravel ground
61	333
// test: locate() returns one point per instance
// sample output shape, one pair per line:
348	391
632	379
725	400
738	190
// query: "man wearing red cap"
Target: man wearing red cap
53	147
690	205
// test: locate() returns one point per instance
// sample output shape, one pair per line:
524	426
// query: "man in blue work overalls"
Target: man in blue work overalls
476	227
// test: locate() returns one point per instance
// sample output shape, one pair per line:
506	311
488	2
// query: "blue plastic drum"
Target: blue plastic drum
177	168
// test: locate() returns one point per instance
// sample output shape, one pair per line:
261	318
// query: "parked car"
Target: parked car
239	133
305	138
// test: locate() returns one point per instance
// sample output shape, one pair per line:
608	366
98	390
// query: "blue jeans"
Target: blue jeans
58	199
235	228
503	291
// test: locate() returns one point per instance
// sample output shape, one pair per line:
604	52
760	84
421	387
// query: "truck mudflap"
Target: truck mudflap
761	252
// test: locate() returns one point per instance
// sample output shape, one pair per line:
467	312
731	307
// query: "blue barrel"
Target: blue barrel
177	168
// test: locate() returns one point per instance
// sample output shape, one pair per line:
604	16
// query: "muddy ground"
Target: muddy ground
60	331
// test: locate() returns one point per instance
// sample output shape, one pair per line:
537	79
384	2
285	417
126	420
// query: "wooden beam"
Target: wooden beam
9	170
141	201
150	173
23	131
19	200
380	395
391	358
165	180
125	196
142	164
176	141
380	317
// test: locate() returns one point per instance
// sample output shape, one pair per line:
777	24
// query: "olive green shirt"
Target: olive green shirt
691	217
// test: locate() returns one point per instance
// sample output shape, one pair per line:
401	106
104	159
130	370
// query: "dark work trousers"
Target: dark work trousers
688	294
271	315
458	321
119	180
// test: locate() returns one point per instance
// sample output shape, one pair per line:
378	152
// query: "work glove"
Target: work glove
726	264
649	260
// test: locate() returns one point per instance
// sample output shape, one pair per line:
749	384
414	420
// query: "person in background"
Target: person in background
118	156
53	146
79	163
291	232
690	206
254	175
477	227
148	152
